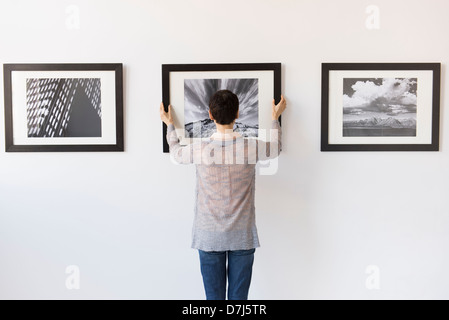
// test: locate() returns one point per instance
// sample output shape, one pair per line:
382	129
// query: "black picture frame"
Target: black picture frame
168	69
434	104
117	68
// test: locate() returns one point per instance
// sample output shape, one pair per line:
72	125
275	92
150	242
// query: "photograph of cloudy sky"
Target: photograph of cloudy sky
197	93
379	107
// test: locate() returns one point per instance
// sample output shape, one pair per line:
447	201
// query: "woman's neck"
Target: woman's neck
224	128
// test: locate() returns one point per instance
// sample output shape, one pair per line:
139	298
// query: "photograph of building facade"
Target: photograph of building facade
64	107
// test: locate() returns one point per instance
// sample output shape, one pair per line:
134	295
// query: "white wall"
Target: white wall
125	218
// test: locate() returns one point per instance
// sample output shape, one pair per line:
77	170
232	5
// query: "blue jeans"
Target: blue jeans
239	271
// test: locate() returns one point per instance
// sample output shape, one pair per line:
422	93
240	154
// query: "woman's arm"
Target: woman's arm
178	153
272	149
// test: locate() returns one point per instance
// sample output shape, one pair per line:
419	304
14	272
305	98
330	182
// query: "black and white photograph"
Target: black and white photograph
63	107
187	88
379	107
197	93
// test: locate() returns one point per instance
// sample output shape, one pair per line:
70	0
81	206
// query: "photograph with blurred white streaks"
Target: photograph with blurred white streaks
197	93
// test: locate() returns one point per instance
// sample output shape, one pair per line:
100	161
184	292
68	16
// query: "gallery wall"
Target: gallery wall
331	225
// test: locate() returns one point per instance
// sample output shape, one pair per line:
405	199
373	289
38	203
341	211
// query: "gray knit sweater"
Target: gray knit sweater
225	186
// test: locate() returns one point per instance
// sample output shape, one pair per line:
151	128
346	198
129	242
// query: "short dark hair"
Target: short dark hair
224	106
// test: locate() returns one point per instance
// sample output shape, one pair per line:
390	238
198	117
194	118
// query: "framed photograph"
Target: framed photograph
189	87
380	106
63	107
